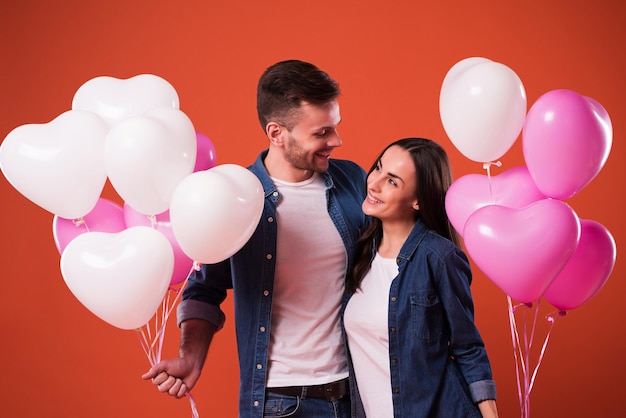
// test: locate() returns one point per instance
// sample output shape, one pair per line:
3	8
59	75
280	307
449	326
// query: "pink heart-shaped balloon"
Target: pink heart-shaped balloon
58	165
161	222
513	188
121	278
587	270
566	140
106	216
116	99
522	250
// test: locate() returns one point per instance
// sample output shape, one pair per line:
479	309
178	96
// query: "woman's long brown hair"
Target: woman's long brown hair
434	177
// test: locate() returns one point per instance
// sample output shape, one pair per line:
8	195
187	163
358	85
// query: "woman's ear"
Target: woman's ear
416	205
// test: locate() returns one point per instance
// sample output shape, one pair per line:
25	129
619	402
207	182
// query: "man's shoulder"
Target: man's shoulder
344	165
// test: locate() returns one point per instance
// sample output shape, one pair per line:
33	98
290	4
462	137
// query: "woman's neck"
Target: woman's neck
394	236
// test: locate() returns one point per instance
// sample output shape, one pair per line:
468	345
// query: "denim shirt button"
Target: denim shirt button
394	360
270	219
275	194
266	292
268	256
393	298
396	390
259	366
262	329
392	329
256	403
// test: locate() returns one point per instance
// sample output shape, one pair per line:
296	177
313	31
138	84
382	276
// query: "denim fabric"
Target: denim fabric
439	366
283	406
250	273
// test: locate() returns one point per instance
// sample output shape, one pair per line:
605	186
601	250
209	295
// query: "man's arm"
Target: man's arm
179	375
488	408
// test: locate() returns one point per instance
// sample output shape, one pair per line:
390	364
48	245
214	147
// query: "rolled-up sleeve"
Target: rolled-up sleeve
194	309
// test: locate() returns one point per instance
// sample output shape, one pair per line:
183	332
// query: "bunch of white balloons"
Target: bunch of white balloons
132	132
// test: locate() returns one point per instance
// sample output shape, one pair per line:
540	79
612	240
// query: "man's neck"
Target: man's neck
280	169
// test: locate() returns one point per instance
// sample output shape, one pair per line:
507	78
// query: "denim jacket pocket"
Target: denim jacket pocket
426	315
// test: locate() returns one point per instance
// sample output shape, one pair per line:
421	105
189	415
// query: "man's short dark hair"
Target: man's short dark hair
285	85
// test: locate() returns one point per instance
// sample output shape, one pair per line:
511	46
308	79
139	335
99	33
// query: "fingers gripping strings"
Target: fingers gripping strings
152	337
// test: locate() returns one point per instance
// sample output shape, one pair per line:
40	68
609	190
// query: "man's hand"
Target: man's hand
174	376
178	376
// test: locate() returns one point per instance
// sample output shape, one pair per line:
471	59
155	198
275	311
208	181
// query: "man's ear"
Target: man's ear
274	133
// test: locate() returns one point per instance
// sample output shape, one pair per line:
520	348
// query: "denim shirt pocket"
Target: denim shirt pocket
426	315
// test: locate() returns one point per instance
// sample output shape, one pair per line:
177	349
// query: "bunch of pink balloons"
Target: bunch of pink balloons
515	225
119	260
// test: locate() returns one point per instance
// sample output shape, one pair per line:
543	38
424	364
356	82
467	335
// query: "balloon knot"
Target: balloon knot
490	163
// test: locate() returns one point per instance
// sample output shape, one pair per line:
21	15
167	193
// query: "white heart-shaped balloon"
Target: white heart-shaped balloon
58	165
116	99
120	277
215	212
147	156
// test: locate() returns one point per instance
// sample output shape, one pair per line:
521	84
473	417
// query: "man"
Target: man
288	280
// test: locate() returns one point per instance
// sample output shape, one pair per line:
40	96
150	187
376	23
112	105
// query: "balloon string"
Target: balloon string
152	345
518	360
487	166
192	403
80	222
552	320
522	352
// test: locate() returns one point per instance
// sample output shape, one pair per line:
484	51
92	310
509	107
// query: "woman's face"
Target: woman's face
392	187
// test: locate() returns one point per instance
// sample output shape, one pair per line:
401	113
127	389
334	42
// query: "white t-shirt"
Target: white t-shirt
366	322
306	346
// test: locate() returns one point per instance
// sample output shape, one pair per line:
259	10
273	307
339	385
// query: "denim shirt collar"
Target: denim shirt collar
417	235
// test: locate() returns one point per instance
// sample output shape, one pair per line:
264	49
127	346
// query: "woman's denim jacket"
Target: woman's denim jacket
439	366
250	273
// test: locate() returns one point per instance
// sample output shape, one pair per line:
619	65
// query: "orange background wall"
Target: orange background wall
59	360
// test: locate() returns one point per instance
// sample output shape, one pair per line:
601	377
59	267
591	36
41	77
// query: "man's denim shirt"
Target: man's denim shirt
250	273
439	366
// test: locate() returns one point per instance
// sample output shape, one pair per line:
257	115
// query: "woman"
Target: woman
410	327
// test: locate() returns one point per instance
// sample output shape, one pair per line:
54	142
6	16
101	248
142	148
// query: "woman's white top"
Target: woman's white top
368	337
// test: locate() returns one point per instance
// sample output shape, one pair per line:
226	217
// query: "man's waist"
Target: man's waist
331	391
